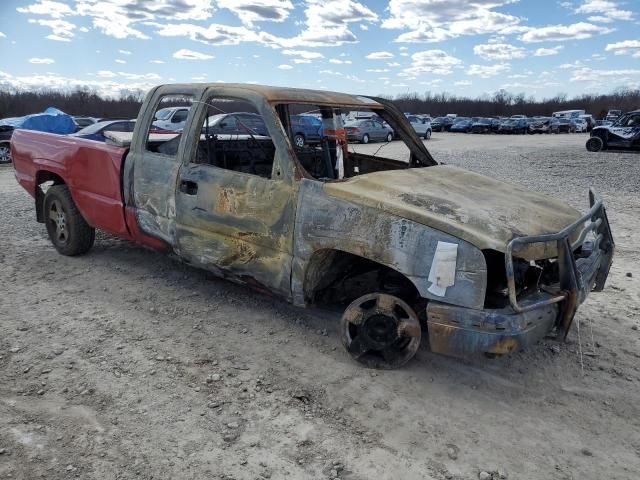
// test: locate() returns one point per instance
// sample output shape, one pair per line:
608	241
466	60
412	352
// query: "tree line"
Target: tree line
502	103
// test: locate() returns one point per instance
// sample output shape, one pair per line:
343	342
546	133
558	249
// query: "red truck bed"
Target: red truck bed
91	170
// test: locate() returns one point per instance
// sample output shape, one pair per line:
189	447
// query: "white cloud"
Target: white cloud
106	74
576	31
545	52
338	61
119	60
303	53
331	72
393	64
377	70
607	11
2	35
432	61
120	18
124	52
326	24
284	66
487	71
438	20
43	61
214	34
61	30
104	86
499	51
364	26
626	47
379	55
156	61
250	11
45	7
300	60
185	54
588	74
463	83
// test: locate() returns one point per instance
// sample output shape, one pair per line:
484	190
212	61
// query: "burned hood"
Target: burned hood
486	212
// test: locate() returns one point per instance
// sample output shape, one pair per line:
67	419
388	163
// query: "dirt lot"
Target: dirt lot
126	364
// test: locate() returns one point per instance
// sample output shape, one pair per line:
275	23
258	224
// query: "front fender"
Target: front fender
325	222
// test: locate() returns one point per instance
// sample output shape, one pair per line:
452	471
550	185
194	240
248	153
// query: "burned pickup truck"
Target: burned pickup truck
407	247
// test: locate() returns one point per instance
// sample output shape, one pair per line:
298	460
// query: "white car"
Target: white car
171	118
581	125
422	126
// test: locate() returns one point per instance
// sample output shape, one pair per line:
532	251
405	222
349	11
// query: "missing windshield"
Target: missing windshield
337	142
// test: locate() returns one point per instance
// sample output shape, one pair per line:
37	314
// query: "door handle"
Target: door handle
188	187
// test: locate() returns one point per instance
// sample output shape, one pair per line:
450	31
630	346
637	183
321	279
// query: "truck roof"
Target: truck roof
296	95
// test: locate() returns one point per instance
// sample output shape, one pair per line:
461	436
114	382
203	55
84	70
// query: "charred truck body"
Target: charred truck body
408	247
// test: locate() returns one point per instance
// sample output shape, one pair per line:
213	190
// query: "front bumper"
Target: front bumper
460	331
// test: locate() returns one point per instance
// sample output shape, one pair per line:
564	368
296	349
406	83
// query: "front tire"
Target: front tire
380	331
69	232
427	135
595	144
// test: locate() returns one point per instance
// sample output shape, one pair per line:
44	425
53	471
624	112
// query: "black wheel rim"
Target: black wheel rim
57	218
380	331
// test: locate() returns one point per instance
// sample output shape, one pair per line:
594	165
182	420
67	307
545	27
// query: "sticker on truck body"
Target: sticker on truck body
443	268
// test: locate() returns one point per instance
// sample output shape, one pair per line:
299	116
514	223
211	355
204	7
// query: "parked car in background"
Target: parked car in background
544	125
623	133
612	115
482	125
566	125
366	131
603	123
237	123
96	131
83	121
462	124
5	144
171	119
514	125
355	115
421	126
581	125
306	129
442	124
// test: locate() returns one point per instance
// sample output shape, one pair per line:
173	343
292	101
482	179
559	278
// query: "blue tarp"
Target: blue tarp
51	120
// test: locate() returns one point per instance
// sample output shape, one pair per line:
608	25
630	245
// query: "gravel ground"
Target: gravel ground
126	364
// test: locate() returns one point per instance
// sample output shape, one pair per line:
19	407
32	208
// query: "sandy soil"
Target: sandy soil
126	364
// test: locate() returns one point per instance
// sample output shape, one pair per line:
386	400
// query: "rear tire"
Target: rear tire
299	140
69	232
595	144
365	138
389	136
427	135
5	153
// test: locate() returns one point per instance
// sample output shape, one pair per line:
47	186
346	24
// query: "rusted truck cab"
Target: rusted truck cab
406	246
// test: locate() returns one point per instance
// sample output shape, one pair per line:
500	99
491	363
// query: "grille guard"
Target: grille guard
577	276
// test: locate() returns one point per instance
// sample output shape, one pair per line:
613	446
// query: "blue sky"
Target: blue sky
464	47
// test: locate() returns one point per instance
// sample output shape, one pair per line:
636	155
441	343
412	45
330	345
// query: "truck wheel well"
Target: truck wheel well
335	277
42	177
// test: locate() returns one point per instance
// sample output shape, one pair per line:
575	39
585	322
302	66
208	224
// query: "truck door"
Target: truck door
152	168
235	203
